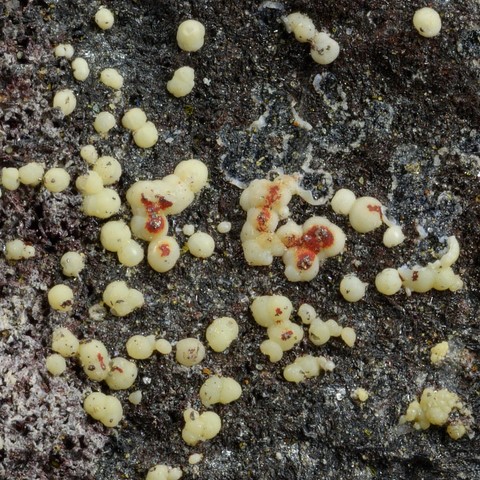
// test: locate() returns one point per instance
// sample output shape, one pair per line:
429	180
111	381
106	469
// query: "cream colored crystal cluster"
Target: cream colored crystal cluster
302	247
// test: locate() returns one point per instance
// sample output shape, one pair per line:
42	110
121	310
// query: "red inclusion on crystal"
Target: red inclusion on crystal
291	241
375	208
164	250
310	244
286	335
305	259
263	218
273	195
316	238
101	360
156	219
155	223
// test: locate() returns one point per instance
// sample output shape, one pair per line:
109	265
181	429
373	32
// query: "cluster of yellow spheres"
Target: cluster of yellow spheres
55	179
302	247
323	49
153	201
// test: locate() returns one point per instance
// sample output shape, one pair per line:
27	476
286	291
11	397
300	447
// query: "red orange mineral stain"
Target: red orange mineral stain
286	335
155	219
375	208
164	250
101	361
317	238
305	259
263	218
273	195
